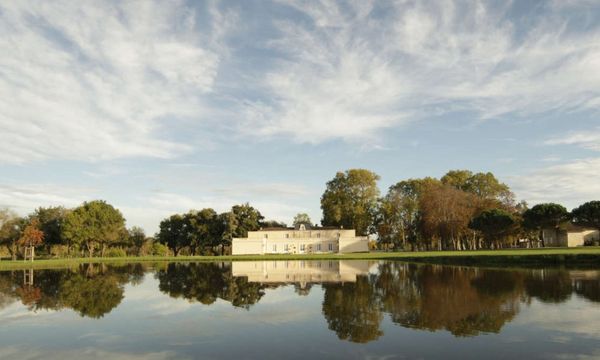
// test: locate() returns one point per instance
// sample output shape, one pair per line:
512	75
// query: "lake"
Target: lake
299	309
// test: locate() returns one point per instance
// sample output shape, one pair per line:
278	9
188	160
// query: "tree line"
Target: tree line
461	210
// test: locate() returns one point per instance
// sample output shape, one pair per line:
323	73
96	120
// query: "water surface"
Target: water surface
299	309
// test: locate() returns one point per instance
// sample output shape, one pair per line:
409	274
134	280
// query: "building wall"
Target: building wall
583	237
299	242
354	244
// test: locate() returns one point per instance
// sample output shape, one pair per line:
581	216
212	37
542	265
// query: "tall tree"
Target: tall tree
587	214
95	224
350	200
51	222
11	227
247	218
445	215
203	229
547	215
495	225
136	239
174	233
32	236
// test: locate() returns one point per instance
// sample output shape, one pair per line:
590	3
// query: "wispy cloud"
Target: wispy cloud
95	81
350	70
570	183
589	139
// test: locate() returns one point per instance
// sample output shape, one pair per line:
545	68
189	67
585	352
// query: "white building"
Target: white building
569	235
304	240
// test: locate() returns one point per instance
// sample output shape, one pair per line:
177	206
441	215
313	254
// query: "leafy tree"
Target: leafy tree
547	215
399	215
494	224
94	224
458	179
32	236
587	214
227	224
445	215
350	200
136	239
247	219
11	226
203	229
51	222
301	219
174	233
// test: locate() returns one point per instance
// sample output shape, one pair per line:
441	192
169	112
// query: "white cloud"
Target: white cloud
571	183
349	73
92	81
586	139
24	198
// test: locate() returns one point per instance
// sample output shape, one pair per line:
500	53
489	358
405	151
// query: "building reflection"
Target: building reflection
301	272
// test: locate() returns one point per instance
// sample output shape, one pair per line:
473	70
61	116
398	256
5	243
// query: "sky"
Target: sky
159	107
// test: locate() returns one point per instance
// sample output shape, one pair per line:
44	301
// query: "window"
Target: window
266	236
287	236
318	235
286	247
302	247
330	247
318	247
274	247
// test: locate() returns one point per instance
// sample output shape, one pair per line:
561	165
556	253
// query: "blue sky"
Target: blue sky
160	107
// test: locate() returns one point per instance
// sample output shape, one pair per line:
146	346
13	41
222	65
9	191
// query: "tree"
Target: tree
350	200
94	224
247	218
136	239
174	233
11	226
445	215
32	236
227	223
51	222
399	216
484	185
301	219
587	214
494	224
203	229
547	215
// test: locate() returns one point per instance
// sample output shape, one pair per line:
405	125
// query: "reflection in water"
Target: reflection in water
356	296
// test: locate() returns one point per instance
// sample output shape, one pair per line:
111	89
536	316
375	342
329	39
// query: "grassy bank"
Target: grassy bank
589	256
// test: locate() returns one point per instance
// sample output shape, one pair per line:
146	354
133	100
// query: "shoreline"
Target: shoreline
589	256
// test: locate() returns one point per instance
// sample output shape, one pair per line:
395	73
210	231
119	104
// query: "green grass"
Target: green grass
509	257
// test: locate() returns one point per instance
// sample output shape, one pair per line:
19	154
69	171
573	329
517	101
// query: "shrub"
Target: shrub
116	252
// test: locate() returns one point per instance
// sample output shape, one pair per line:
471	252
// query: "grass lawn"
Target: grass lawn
551	256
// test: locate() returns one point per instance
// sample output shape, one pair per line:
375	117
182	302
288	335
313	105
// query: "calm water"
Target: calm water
296	309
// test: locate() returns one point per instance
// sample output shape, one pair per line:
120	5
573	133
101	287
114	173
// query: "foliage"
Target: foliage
495	224
32	235
350	200
587	214
51	222
94	224
545	215
301	219
247	219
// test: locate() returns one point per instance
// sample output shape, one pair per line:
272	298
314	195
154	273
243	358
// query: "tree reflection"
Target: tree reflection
91	290
549	285
351	310
207	282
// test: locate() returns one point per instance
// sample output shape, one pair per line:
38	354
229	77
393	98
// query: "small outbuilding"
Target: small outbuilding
569	235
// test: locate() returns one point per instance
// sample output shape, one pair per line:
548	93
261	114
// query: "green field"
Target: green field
549	256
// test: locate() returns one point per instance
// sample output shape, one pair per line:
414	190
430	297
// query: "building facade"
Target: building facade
303	240
569	235
301	271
